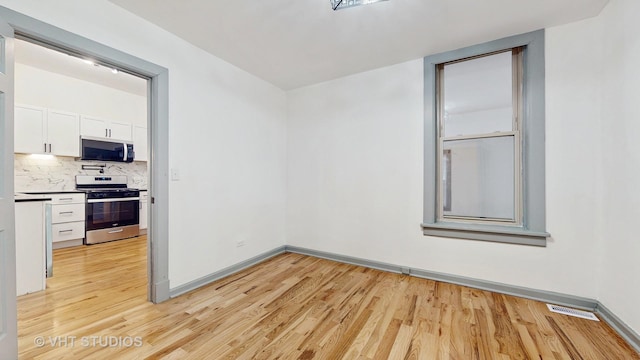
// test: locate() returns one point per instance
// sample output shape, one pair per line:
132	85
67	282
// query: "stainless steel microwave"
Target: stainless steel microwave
106	150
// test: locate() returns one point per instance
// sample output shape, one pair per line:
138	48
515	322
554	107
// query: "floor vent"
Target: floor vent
572	312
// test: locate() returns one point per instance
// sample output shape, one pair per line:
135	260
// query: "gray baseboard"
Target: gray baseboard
345	259
523	292
632	337
192	285
160	292
540	295
578	302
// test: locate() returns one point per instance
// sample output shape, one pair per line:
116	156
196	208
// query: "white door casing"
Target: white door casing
8	321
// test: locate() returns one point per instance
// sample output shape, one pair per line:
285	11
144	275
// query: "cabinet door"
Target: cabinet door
67	231
93	127
30	130
120	131
63	130
30	248
140	143
67	213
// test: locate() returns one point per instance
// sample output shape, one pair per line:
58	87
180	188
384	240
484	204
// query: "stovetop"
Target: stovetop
105	186
115	190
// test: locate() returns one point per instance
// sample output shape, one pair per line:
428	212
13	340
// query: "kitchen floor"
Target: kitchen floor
289	307
89	284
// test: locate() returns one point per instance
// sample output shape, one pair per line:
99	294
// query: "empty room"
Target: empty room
319	179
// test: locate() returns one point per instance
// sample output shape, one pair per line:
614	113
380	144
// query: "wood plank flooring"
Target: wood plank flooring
290	307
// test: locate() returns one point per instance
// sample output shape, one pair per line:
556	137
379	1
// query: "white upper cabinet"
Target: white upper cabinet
42	131
120	131
140	143
63	129
101	128
30	134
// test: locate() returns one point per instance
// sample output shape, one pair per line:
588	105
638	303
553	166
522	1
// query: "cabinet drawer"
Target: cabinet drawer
67	213
67	231
71	198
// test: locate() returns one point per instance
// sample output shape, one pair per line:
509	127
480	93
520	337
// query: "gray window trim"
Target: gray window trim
533	229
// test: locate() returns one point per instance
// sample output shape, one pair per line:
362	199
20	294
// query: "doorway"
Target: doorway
60	98
37	32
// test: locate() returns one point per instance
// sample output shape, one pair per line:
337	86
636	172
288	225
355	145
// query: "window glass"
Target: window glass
480	177
478	95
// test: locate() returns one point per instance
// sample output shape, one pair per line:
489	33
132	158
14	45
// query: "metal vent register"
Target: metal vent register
572	312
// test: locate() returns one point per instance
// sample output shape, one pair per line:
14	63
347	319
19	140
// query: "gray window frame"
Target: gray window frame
533	228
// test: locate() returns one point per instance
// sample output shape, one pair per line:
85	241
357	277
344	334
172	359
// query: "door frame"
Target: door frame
37	31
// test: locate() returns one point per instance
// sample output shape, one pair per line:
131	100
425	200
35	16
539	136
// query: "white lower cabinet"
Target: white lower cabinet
30	247
67	219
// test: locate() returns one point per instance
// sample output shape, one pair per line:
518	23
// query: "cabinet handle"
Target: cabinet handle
66	199
49	147
65	231
109	132
65	212
106	132
45	147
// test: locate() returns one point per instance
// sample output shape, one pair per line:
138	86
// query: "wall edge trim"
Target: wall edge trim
230	270
619	326
533	294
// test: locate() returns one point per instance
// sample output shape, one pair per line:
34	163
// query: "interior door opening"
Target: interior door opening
36	31
105	102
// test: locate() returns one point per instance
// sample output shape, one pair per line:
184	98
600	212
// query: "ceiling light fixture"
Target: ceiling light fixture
341	4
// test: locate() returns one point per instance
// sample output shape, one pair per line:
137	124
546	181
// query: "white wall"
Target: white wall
355	174
352	172
226	137
42	88
619	281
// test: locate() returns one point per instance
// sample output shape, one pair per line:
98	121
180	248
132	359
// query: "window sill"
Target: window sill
493	233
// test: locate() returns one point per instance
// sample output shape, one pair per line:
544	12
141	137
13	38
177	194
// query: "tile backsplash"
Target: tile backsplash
58	173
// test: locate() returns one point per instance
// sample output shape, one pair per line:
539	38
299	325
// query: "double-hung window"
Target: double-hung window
484	142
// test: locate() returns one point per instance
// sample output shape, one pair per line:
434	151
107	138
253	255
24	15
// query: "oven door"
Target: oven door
110	213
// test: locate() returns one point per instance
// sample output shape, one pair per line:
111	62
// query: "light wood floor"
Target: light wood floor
290	307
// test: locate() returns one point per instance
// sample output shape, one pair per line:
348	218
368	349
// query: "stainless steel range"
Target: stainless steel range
112	209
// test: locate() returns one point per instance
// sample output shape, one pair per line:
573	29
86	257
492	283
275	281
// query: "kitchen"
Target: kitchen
68	193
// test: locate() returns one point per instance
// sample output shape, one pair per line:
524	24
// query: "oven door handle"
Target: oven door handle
93	201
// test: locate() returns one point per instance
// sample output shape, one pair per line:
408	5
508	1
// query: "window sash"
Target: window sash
517	183
517	99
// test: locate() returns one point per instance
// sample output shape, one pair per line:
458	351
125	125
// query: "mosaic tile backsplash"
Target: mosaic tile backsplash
58	173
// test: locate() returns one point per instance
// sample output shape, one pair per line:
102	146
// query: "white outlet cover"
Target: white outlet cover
175	174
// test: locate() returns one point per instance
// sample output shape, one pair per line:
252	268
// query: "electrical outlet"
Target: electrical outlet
175	174
405	270
240	243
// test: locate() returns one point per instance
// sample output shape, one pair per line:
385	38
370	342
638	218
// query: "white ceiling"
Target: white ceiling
54	61
293	43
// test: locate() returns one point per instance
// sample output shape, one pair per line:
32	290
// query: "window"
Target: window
484	142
